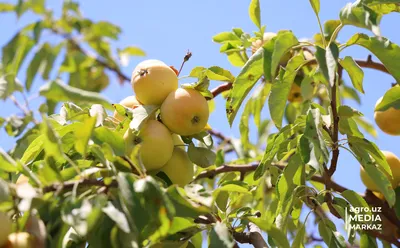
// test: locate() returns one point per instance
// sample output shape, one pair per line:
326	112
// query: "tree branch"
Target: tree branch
371	64
253	236
84	182
99	60
221	88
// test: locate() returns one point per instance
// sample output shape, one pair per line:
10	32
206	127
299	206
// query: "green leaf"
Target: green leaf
276	234
298	241
386	51
385	7
281	88
243	83
331	237
37	30
201	156
349	127
51	57
146	206
349	93
220	236
367	241
285	188
391	99
363	153
330	27
355	199
373	150
83	134
315	5
366	125
355	72
314	134
38	59
7	163
284	41
225	37
397	205
6	7
127	52
117	216
8	85
219	74
104	135
51	140
360	15
57	91
183	205
15	51
327	60
273	143
82	215
179	224
348	112
104	29
255	12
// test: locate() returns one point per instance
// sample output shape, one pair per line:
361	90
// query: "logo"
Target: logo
363	218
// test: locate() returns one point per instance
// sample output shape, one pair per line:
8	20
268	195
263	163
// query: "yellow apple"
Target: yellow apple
129	102
185	112
156	144
152	81
179	168
20	240
295	94
394	164
389	120
5	228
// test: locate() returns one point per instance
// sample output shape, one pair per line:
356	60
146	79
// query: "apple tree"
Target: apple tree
150	172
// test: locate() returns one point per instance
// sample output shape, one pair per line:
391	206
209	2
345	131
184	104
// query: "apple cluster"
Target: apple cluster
182	112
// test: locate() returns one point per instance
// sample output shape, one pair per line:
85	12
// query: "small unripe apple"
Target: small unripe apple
185	112
389	120
156	144
152	81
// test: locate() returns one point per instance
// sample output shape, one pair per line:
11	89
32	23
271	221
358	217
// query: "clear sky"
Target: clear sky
167	29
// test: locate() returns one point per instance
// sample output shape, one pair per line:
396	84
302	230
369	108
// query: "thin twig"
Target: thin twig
185	59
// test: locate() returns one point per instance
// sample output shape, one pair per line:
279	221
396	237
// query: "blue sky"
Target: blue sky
167	29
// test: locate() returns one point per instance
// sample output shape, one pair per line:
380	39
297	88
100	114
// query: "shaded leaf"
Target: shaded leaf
391	99
243	83
57	91
355	72
386	51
